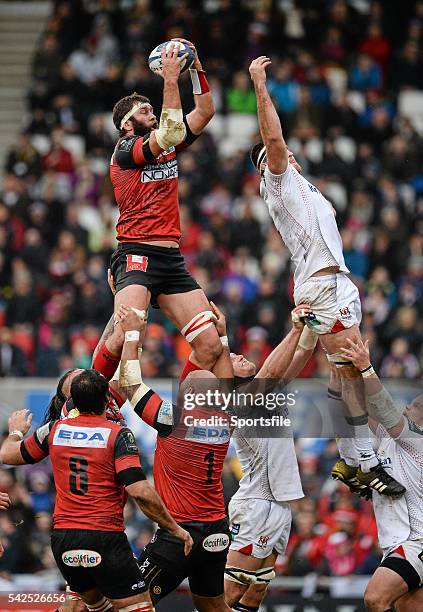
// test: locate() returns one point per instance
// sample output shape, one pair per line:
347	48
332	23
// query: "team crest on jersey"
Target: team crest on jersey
136	262
82	437
208	435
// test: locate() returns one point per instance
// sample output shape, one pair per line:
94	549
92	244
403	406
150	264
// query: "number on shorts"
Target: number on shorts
78	468
209	458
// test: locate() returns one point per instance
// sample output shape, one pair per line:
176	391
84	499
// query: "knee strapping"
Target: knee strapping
265	575
338	360
240	575
101	606
198	324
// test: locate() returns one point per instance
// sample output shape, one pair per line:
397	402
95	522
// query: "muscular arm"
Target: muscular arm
270	127
10	452
151	505
281	357
381	407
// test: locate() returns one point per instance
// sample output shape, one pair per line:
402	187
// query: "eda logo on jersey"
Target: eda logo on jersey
81	558
216	542
82	437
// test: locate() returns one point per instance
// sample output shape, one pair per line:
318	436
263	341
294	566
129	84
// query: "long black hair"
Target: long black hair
56	403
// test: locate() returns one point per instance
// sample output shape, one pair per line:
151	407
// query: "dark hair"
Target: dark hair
254	153
56	403
90	391
124	106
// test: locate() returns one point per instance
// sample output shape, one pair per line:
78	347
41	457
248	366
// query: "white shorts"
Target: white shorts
259	526
411	551
334	300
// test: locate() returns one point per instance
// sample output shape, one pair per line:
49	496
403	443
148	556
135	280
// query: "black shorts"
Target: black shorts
160	269
110	565
164	565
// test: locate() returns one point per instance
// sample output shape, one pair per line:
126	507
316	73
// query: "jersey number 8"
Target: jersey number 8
78	475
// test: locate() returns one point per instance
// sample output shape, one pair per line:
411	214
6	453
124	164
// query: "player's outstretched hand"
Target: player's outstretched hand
20	420
4	501
130	318
171	63
298	315
183	535
220	319
359	353
197	64
258	68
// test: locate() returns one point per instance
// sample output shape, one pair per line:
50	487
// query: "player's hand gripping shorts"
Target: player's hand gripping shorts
406	559
334	300
259	526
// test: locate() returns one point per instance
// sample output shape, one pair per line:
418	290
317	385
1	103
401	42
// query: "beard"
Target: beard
140	129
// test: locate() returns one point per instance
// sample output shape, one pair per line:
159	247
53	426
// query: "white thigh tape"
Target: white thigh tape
198	324
308	339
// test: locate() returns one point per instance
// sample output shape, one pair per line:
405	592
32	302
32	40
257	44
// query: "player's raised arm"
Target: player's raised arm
172	129
380	405
204	110
279	360
11	449
270	127
148	405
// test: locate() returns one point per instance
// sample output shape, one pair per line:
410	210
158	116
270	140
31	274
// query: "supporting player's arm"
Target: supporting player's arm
281	358
204	110
380	405
270	126
4	505
159	414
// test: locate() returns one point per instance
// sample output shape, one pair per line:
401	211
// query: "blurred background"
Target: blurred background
347	82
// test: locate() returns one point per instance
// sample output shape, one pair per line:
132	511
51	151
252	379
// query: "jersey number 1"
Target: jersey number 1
78	479
209	458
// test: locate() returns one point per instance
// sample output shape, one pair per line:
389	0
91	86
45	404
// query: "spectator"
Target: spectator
241	97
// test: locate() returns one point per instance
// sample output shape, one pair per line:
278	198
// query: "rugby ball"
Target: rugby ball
155	57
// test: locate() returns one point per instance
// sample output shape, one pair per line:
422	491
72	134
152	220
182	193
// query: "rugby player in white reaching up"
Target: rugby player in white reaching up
306	222
399	578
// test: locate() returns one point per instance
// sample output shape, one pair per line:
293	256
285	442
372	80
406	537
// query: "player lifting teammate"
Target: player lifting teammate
148	265
398	580
306	222
95	463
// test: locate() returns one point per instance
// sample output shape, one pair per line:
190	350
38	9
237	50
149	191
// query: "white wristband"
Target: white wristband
132	336
18	433
368	372
224	341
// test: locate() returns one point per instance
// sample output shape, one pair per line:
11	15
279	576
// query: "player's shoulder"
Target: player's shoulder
126	143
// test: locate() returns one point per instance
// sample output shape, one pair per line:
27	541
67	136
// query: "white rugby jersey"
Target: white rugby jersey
401	519
270	468
305	220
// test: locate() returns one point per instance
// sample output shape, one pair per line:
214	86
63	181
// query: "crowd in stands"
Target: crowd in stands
336	78
338	72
